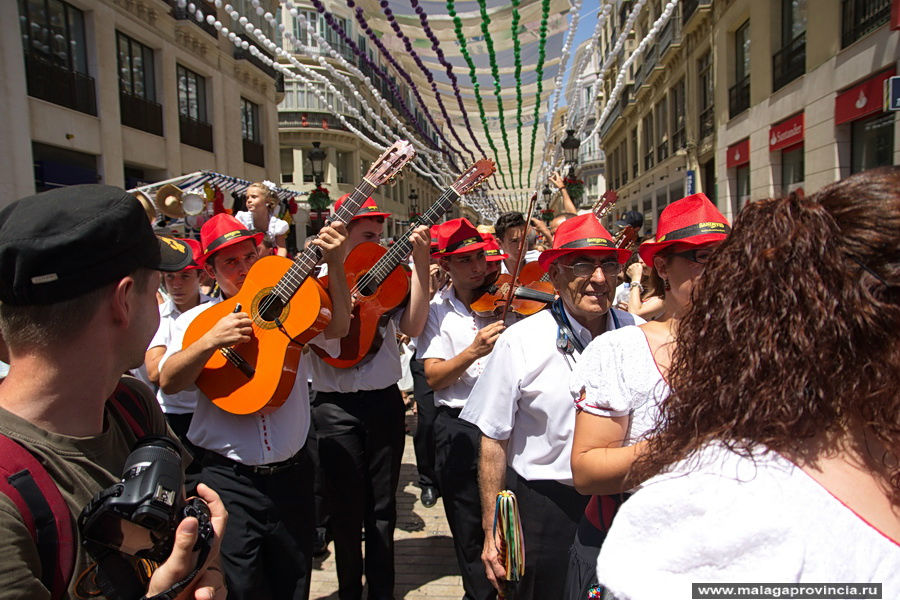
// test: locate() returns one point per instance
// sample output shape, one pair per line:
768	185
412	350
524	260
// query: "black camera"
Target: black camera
138	516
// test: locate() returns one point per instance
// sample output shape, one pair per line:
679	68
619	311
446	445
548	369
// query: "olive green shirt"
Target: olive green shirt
80	467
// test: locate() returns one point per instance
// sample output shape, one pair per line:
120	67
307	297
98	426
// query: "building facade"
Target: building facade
129	92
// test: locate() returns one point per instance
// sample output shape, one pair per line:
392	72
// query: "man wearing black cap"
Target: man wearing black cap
78	278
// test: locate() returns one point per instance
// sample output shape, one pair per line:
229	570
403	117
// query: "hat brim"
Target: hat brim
173	255
465	249
548	256
648	250
496	257
370	214
256	237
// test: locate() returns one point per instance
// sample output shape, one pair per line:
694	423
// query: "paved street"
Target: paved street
425	562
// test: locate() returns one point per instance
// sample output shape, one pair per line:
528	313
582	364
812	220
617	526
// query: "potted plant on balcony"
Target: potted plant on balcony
575	188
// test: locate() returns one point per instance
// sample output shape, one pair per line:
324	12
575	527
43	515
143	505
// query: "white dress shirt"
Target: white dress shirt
450	329
179	403
523	395
254	439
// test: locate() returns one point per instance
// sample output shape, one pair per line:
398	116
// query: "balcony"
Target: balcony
48	81
206	7
707	121
648	159
690	7
313	120
241	54
140	113
254	153
195	133
789	63
662	151
670	36
650	59
610	119
859	17
679	139
739	97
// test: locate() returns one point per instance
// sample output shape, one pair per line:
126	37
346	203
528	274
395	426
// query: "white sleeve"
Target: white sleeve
176	338
431	344
277	226
162	335
332	347
695	528
601	375
493	401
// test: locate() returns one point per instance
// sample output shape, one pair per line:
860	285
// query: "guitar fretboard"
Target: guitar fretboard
305	262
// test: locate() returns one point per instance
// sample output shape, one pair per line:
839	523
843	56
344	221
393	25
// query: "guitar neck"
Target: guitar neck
402	247
306	261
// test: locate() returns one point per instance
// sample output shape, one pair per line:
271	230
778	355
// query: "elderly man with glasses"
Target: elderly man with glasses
523	407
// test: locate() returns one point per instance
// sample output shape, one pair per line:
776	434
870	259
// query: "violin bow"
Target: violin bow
519	254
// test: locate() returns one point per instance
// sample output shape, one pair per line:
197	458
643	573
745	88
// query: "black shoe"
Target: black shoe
429	496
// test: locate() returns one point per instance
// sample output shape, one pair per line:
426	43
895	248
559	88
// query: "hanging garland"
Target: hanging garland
542	50
435	45
457	28
495	73
428	75
517	54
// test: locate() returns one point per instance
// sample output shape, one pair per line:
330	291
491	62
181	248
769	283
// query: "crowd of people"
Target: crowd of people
719	405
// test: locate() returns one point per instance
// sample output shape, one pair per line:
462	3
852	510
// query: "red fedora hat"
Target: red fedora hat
223	230
458	236
194	245
579	234
493	252
368	209
692	221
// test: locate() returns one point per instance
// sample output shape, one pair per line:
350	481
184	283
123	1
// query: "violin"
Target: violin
531	294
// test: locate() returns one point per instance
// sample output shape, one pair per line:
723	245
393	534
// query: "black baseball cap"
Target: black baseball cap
60	244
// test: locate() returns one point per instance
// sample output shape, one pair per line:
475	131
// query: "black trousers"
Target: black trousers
361	438
267	547
426	412
457	444
550	512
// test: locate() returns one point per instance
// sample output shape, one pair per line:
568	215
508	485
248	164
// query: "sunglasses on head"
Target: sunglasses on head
698	255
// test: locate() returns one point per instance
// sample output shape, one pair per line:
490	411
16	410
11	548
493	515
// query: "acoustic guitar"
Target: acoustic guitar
379	279
288	308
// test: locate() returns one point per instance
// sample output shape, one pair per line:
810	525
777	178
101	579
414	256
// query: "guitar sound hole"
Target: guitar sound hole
270	307
369	289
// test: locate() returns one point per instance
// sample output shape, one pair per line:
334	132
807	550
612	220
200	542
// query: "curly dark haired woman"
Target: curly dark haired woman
776	457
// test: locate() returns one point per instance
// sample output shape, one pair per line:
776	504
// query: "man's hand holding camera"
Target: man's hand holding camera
209	584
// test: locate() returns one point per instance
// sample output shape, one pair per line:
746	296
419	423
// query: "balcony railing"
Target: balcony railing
707	121
316	120
679	140
739	97
195	133
254	153
649	63
206	7
53	83
789	63
859	17
671	33
648	159
662	151
690	7
140	113
241	54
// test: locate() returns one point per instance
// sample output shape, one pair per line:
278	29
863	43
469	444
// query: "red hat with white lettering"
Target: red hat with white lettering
583	233
458	237
368	209
691	221
493	252
223	230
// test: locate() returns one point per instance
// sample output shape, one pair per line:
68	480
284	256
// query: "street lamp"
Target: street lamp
570	151
546	194
316	158
413	207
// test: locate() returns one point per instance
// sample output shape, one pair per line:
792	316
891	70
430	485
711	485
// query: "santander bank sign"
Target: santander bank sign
786	133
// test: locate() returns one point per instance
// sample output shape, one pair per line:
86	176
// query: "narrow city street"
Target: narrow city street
425	562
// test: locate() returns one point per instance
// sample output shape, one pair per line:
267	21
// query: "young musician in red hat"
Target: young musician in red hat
454	348
522	406
620	381
183	289
360	427
258	461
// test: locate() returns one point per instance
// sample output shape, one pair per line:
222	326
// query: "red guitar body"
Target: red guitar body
273	353
370	307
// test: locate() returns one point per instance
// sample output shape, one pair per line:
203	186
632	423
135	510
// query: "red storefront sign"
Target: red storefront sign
738	154
861	100
787	133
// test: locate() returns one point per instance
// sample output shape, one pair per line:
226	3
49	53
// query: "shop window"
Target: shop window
872	142
791	169
741	194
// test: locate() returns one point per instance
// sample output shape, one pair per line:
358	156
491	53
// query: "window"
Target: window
136	71
634	152
662	131
793	20
191	94
249	120
343	162
859	17
648	141
791	169
707	94
741	189
789	62
872	142
676	97
54	30
739	93
623	161
302	33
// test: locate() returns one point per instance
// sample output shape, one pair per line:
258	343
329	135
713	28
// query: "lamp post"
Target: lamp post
570	151
316	158
413	207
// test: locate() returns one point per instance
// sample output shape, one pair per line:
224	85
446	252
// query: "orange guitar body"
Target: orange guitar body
273	353
370	307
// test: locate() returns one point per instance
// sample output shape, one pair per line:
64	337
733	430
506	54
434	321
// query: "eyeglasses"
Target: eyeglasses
700	256
610	268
